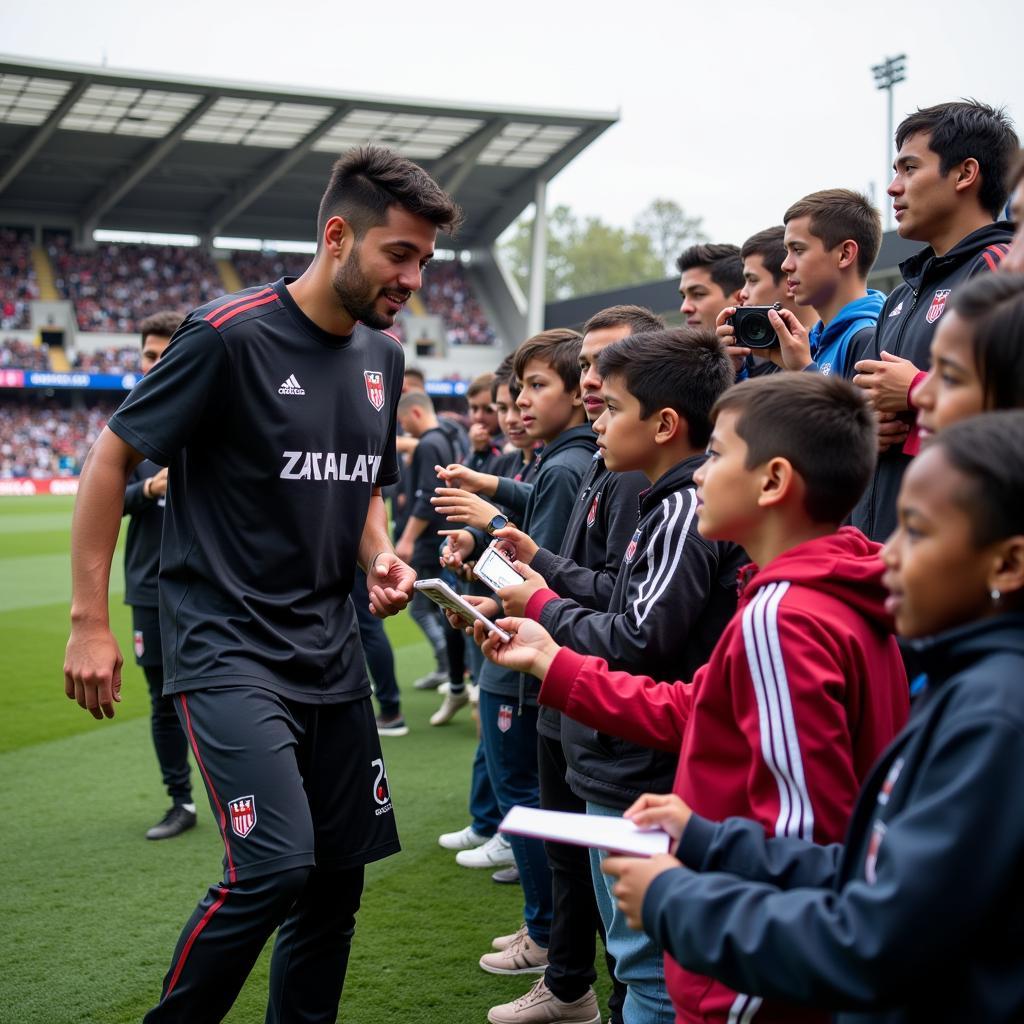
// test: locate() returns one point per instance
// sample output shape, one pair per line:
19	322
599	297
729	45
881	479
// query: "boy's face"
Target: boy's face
547	408
625	439
935	574
924	199
510	419
481	411
703	300
594	342
952	390
759	287
727	491
152	349
812	271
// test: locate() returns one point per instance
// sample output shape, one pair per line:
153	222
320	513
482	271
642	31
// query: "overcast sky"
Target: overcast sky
733	109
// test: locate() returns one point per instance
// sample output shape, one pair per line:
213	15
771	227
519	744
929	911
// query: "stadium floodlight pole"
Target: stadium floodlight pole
887	74
538	261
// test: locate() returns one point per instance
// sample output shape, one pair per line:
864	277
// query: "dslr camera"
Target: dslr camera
752	326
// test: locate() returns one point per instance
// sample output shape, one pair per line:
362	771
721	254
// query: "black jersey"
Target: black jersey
142	543
275	433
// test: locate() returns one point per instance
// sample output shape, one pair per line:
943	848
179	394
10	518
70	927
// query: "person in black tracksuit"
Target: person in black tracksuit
144	501
949	188
918	916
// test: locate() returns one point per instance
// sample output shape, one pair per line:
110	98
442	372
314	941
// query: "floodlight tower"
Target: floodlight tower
887	74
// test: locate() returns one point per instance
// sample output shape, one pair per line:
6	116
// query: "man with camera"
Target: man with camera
831	239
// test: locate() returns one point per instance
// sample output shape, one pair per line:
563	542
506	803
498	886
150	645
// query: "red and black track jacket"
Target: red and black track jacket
801	694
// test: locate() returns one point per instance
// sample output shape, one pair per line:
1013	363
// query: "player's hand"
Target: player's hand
459	506
525	546
158	483
389	581
793	351
456	475
635	875
515	599
457	549
660	810
887	381
92	670
531	648
486	606
479	437
892	431
727	336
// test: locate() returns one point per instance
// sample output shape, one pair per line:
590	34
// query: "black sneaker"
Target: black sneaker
177	820
391	725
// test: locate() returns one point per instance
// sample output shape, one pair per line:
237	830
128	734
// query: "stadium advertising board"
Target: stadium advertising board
52	379
26	487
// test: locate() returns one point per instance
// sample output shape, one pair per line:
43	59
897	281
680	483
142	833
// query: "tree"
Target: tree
585	257
670	230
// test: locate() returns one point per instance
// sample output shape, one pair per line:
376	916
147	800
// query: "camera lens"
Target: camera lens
756	328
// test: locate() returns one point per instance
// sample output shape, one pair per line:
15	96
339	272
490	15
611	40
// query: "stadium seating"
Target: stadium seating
446	293
17	279
22	355
46	439
123	359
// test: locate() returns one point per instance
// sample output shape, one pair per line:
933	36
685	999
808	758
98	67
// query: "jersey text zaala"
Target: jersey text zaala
330	466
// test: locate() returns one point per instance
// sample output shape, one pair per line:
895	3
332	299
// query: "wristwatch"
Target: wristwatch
499	522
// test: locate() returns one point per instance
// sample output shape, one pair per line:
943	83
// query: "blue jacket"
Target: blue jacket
919	915
835	347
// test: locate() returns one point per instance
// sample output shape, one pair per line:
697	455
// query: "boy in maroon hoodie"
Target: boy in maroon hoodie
806	685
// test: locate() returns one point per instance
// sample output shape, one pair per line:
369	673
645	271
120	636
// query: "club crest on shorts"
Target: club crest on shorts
937	306
381	789
631	550
374	388
243	815
140	644
592	514
504	717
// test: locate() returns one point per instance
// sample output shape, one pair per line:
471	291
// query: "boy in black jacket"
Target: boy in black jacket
672	597
949	188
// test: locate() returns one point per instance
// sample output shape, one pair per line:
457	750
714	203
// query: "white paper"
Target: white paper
597	830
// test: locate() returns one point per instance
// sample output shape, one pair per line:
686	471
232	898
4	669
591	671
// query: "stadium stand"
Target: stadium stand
47	438
18	285
259	267
22	355
446	293
122	359
115	286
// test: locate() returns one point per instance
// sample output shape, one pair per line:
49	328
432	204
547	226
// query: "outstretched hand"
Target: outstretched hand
390	584
530	650
515	599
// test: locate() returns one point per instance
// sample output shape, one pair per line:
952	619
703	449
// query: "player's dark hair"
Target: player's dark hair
162	324
770	246
992	305
559	348
722	261
821	424
637	318
964	129
416	373
685	369
838	214
368	180
989	451
483	382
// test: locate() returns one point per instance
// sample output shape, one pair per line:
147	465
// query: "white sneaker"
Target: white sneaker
474	693
464	839
449	706
495	853
431	681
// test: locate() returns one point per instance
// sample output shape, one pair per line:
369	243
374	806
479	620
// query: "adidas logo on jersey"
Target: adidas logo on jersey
291	387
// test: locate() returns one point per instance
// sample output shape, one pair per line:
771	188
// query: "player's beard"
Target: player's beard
358	295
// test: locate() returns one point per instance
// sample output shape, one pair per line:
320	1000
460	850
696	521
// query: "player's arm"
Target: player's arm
92	662
389	579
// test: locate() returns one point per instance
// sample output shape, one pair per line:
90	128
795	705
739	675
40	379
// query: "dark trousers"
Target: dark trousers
168	738
380	659
575	921
483	807
316	913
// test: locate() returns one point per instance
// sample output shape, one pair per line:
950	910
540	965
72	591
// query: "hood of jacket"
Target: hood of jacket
867	307
945	654
672	480
581	436
845	565
926	264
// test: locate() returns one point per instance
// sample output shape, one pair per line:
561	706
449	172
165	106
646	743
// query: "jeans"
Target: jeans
510	747
483	808
380	659
639	962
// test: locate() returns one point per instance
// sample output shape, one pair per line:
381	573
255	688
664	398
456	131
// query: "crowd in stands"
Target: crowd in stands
22	355
114	286
446	293
122	359
47	439
260	267
18	284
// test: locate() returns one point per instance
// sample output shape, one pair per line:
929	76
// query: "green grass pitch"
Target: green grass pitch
91	910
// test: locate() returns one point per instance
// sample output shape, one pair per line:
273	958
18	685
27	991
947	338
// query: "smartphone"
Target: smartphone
495	568
441	594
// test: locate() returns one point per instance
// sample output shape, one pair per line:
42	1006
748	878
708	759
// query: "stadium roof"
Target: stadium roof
90	147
